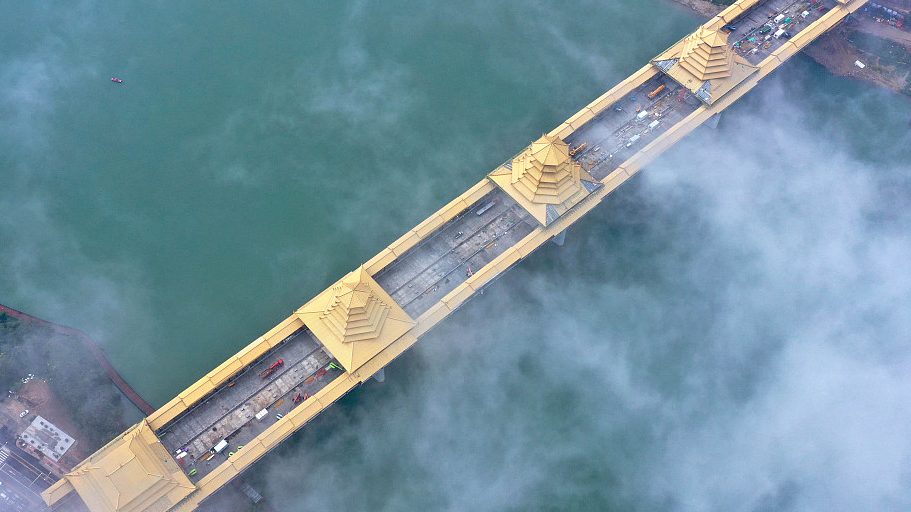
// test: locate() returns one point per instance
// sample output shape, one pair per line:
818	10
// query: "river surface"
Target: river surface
731	330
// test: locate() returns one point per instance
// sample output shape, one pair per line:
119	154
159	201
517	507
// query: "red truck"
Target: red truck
272	369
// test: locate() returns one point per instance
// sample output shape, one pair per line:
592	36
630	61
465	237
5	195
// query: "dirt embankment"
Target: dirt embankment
67	385
838	55
704	8
90	344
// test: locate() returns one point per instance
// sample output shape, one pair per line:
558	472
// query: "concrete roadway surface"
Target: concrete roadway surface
20	497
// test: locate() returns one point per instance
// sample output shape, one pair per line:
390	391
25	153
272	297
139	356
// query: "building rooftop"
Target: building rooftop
44	436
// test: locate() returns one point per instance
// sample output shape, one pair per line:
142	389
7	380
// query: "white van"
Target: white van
220	446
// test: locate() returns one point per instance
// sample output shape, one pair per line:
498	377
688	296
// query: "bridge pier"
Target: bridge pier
380	376
712	122
559	239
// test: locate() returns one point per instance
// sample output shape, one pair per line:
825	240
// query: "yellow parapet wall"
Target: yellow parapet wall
212	380
730	14
603	102
311	407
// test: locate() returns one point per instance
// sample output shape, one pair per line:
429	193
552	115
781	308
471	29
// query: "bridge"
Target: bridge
211	432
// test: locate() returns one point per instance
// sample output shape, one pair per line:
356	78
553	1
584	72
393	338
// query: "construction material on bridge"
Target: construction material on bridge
372	315
657	91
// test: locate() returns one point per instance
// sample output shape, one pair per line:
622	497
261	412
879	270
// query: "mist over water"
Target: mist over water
254	155
730	330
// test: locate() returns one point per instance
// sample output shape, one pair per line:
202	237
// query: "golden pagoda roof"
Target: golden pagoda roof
546	173
355	319
133	473
704	63
706	55
545	179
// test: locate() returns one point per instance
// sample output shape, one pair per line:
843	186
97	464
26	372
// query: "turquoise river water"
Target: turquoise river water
731	330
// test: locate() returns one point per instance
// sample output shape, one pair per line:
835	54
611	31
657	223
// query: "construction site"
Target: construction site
217	427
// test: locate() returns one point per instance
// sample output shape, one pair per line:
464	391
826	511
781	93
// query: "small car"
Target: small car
23	413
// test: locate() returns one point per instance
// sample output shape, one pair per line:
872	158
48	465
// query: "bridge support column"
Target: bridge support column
559	239
712	122
380	376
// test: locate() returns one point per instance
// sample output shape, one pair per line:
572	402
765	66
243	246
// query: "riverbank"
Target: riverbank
704	8
90	344
883	51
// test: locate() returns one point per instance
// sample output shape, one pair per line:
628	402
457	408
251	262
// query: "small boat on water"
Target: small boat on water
119	81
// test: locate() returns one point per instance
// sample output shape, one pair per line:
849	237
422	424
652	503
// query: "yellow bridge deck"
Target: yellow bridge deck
185	496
